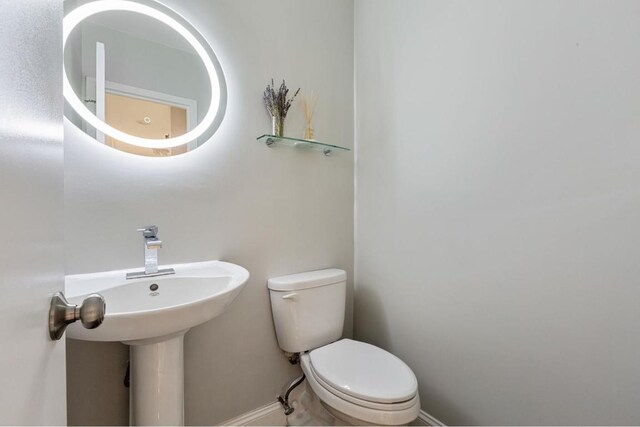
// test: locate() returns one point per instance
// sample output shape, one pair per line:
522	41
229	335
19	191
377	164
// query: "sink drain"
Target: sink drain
153	288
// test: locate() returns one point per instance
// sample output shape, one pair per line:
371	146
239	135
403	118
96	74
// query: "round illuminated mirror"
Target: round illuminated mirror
139	78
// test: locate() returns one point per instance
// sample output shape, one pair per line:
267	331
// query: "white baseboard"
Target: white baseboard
273	415
425	419
268	415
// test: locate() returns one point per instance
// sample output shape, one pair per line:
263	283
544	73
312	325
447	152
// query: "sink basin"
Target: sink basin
152	314
196	293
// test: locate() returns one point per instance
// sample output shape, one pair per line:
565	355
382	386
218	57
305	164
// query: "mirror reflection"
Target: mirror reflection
139	76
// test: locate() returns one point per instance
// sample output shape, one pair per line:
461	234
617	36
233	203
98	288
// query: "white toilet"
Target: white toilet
358	383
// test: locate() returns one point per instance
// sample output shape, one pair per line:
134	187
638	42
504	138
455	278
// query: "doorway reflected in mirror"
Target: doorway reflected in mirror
146	119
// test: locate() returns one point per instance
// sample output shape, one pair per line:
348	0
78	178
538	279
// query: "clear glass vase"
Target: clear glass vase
308	132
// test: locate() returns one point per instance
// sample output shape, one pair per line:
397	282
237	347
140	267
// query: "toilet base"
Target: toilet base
309	410
344	419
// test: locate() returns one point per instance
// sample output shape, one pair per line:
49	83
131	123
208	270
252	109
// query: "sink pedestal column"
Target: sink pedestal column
157	381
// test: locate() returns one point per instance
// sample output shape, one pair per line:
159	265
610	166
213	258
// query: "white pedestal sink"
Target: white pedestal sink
152	315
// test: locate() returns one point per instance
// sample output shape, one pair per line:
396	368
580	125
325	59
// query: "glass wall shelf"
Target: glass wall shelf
327	149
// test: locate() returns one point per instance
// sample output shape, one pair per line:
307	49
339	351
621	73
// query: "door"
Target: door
32	367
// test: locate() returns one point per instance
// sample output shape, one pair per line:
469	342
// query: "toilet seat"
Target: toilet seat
362	402
364	371
363	382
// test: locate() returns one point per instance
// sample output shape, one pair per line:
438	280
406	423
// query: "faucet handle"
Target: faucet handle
149	231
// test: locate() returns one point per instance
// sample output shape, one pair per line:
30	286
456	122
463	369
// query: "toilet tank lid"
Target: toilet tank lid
310	279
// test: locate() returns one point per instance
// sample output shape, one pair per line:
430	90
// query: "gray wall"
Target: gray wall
273	211
498	162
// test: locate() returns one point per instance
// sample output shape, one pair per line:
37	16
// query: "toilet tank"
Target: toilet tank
308	308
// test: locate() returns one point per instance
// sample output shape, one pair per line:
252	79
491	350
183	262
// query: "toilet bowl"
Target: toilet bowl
356	382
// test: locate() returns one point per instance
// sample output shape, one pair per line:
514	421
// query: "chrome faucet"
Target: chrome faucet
151	246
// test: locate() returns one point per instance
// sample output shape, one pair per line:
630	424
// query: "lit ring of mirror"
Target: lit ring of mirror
76	16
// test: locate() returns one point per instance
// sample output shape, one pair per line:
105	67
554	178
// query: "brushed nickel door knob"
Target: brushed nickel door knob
61	313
